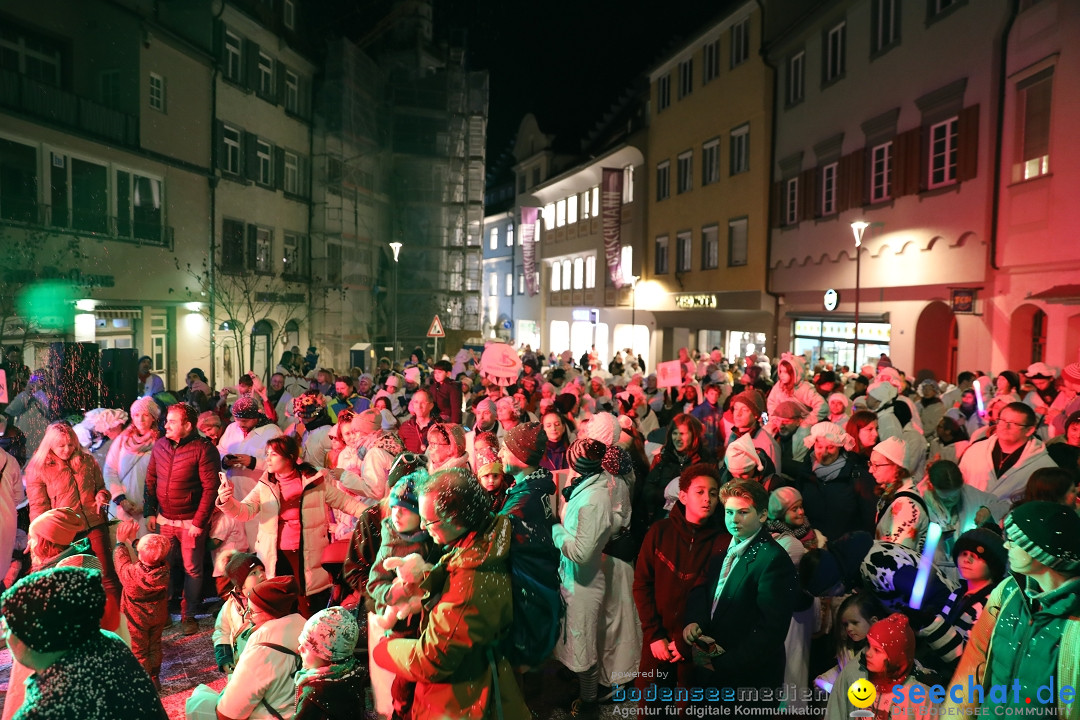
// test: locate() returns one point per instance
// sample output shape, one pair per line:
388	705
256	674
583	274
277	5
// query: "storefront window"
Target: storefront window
834	341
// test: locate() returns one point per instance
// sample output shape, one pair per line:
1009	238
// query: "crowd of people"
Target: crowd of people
762	533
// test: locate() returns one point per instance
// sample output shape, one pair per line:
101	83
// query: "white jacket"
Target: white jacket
265	673
125	474
977	465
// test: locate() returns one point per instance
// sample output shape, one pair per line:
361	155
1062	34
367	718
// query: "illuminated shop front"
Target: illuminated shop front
834	339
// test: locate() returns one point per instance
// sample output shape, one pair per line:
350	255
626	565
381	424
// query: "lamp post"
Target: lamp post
396	247
633	315
857	228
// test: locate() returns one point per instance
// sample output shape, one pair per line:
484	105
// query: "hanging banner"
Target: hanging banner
611	222
528	247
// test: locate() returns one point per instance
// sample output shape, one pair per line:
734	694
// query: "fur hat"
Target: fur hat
239	566
1048	532
58	526
892	449
331	634
602	427
741	457
830	432
988	545
895	636
55	609
246	408
276	596
781	499
527	442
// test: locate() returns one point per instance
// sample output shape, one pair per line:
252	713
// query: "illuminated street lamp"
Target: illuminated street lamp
633	315
396	247
857	228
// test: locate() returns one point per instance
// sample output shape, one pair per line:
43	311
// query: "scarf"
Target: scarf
568	491
804	534
136	443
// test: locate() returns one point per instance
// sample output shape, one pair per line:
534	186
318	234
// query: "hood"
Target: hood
539	482
797	364
705	531
1063	601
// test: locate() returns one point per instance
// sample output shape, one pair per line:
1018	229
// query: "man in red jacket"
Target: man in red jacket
181	486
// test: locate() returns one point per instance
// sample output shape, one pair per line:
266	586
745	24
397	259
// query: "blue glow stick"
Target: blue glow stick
926	565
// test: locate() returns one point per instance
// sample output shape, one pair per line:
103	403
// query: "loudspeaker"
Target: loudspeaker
119	377
73	377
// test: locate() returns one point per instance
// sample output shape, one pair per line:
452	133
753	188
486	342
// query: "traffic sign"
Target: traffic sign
436	329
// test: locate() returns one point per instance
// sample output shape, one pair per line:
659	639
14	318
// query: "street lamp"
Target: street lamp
633	315
396	247
857	228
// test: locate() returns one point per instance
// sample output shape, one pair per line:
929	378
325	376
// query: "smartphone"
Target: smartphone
227	460
708	646
223	478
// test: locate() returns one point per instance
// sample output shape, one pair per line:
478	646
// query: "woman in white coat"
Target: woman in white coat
580	538
127	461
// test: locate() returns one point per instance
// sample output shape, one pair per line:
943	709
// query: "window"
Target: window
157	92
510	236
686	171
333	264
138	206
586	213
493	238
266	75
686	78
590	271
567	275
521	283
828	188
710	162
579	273
711	57
288	14
663	93
628	184
885	25
835	53
684	252
231	157
291	181
294	258
560	213
937	8
710	247
571	210
262	247
264	154
740	42
493	284
626	260
1033	100
110	88
555	278
660	259
596	201
796	78
509	284
25	53
663	186
943	153
79	194
881	172
740	149
233	66
549	216
791	202
292	91
232	245
18	182
737	242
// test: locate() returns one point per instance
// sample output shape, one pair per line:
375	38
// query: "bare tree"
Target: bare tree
32	257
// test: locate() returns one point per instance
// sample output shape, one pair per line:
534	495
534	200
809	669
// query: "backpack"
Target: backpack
535	589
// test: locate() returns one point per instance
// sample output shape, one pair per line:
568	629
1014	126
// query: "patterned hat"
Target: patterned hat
55	609
585	456
1048	532
527	442
780	500
331	634
308	405
246	408
404	495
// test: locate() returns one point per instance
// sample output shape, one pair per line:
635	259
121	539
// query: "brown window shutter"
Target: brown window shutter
777	204
808	195
967	155
907	162
856	175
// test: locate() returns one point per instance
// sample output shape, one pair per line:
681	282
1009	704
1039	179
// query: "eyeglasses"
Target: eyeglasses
1010	423
425	523
881	464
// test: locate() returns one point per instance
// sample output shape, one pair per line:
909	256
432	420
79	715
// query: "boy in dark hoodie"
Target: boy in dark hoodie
145	600
673	559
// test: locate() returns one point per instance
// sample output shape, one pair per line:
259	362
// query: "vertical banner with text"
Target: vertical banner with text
528	247
611	222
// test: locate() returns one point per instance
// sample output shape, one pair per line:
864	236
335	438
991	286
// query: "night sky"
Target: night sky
565	61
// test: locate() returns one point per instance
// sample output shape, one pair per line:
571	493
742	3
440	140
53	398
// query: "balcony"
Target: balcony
54	105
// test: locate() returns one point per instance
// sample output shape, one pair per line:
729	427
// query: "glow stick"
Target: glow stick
926	565
979	398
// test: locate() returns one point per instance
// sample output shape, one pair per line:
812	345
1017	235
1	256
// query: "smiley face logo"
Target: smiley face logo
862	693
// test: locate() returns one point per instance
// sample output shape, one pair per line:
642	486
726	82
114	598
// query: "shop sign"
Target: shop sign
963	300
831	299
692	301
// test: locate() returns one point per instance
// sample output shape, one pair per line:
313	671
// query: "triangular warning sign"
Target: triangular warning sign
436	329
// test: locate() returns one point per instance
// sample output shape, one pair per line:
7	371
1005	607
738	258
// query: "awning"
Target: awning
1059	294
118	313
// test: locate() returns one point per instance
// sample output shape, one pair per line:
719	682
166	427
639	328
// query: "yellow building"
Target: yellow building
708	162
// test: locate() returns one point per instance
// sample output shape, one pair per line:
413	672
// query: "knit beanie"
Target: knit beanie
602	427
331	634
892	449
833	433
751	398
59	526
1072	372
890	375
842	398
412	375
368	422
585	456
404	495
527	442
780	500
895	636
1049	533
55	609
741	457
988	545
146	405
455	435
276	596
110	418
239	566
246	408
883	391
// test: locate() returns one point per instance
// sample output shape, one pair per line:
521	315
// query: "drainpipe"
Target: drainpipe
774	351
995	200
212	186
